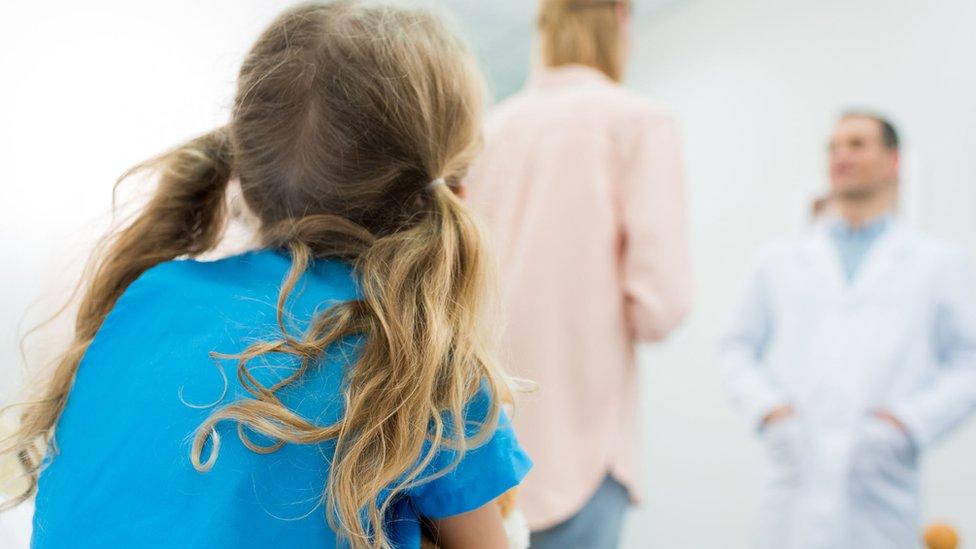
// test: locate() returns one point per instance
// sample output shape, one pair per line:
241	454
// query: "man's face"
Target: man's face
860	163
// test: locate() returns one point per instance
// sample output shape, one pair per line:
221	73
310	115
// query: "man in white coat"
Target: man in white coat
851	351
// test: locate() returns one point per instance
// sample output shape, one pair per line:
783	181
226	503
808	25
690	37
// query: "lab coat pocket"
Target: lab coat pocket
783	441
883	472
885	441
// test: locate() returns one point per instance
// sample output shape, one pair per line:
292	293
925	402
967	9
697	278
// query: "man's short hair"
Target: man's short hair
889	135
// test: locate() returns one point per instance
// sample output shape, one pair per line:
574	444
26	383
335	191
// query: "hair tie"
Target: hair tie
435	183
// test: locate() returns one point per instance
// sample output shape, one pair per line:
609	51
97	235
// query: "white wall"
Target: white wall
756	84
90	88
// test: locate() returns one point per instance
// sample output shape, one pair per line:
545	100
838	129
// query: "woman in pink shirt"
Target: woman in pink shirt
581	186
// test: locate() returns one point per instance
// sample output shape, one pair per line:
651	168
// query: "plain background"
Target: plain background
90	88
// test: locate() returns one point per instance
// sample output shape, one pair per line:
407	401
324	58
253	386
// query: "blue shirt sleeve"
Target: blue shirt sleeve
484	473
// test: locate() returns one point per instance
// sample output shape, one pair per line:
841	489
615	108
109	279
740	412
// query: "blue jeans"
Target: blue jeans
596	526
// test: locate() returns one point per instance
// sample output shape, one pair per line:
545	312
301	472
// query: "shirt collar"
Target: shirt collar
565	75
839	227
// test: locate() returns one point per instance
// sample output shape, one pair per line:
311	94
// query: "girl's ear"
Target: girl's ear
242	232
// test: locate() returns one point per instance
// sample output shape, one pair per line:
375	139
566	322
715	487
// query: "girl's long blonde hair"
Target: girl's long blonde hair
345	114
583	32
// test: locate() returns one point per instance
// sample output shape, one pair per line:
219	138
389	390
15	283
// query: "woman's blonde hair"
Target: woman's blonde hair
583	32
347	119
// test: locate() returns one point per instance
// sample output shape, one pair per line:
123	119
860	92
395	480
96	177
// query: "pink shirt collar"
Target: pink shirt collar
565	75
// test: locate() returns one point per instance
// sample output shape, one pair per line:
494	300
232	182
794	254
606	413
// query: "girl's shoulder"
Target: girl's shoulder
235	298
238	269
179	312
242	275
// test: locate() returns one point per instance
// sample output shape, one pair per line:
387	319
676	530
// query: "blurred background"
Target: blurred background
90	88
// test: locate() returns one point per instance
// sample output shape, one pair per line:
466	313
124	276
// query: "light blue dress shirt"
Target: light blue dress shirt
853	244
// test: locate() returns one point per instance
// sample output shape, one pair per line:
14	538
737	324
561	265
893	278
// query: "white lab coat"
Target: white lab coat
900	336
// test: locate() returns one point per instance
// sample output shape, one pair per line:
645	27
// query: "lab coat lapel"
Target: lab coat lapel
884	255
823	258
881	259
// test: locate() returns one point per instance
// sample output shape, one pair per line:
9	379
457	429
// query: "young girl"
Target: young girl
334	388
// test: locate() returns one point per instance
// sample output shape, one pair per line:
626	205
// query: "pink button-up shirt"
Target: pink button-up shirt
582	189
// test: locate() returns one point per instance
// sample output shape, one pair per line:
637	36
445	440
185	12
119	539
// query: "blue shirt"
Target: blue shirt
853	244
121	475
